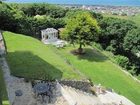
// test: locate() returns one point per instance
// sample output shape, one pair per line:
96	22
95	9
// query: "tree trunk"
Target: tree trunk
80	49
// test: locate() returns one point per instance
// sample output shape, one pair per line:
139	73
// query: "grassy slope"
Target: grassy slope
135	19
3	92
30	58
99	68
115	16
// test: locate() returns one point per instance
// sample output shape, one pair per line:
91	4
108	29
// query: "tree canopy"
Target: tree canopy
120	36
132	41
113	31
29	19
81	28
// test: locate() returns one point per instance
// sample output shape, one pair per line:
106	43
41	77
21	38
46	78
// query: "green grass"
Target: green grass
135	18
101	70
3	92
30	58
115	16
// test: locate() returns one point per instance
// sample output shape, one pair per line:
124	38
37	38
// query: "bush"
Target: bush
63	34
91	82
111	48
122	61
138	76
132	72
98	46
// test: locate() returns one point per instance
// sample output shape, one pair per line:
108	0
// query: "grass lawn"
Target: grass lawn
3	92
135	19
30	58
115	16
101	70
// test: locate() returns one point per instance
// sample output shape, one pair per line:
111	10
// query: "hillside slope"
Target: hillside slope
30	58
101	70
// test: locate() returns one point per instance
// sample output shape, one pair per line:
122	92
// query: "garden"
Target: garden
24	60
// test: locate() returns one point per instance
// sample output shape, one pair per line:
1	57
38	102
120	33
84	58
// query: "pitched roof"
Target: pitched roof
49	30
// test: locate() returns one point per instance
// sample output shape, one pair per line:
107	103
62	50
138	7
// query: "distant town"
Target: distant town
114	10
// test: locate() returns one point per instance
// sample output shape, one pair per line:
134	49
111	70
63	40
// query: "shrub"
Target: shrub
138	76
111	49
91	82
98	46
122	61
132	72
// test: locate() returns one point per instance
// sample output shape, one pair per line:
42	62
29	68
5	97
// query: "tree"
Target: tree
6	18
132	47
132	41
113	31
2	1
97	16
81	29
42	9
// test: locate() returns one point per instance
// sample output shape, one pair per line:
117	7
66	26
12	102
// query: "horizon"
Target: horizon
82	2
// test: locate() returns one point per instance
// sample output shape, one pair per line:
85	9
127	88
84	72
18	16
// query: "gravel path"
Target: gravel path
13	84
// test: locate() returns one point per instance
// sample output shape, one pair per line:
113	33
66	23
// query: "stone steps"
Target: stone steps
82	98
78	90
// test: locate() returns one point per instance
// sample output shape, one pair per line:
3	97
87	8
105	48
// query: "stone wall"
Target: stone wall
81	85
2	45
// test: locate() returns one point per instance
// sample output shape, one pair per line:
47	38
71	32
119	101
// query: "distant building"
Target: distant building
49	35
83	7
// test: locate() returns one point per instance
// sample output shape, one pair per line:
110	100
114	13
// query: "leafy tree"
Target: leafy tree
2	1
132	41
42	9
113	31
97	16
6	18
58	22
132	47
56	11
82	29
72	13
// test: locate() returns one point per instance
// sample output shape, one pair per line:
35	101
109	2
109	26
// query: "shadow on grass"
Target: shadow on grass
92	55
27	65
3	92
